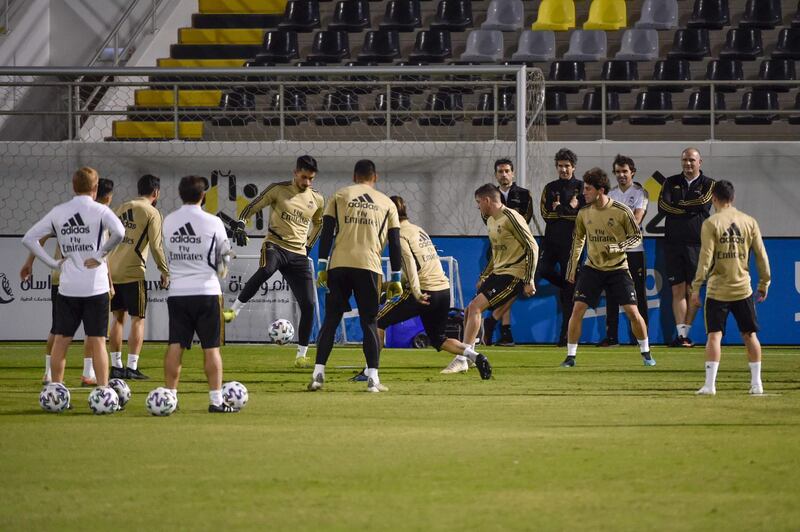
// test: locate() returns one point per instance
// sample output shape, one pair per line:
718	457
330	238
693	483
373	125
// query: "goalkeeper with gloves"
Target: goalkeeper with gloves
357	224
611	229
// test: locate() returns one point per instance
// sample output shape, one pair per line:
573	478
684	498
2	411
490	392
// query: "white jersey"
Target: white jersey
634	198
80	226
195	244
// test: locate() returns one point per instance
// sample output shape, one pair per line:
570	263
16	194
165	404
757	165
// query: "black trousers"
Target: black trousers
638	270
557	254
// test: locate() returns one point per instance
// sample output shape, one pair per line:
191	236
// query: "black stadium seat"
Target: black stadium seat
555	103
401	106
402	15
278	47
672	70
725	70
330	47
765	14
567	71
788	46
742	43
380	46
701	101
506	104
710	14
619	70
432	46
691	44
453	15
592	101
442	101
350	15
652	101
300	15
758	100
335	106
294	101
777	70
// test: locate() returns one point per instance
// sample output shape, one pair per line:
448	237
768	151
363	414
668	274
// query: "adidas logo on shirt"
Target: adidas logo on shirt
364	201
185	235
74	226
732	235
127	219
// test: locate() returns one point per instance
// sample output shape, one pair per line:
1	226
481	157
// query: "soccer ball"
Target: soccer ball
161	402
281	331
234	394
54	397
103	400
123	391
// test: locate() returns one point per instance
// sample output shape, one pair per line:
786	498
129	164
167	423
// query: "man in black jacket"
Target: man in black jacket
561	200
685	200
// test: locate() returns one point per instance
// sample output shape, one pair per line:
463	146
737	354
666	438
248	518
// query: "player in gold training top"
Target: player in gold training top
127	262
610	228
726	239
295	222
363	220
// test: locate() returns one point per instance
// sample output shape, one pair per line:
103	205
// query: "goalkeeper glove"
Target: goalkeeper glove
613	248
239	234
394	289
322	274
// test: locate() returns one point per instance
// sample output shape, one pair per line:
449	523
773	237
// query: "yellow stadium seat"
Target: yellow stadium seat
168	62
186	98
606	15
220	36
556	15
131	129
242	6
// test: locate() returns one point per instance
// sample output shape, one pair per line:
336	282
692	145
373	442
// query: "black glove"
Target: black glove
239	235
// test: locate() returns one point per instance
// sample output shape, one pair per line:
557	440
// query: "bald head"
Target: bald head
691	163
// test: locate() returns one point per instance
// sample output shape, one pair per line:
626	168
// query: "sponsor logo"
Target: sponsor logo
6	295
74	226
611	222
185	235
732	235
127	219
364	201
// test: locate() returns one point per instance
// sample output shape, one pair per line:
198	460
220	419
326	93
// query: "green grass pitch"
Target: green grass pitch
609	445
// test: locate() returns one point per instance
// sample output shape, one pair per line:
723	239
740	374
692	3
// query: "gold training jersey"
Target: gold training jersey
363	219
142	224
421	264
612	224
295	220
726	240
514	251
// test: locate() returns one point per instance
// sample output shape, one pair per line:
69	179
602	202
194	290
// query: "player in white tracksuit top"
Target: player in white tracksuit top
198	251
80	225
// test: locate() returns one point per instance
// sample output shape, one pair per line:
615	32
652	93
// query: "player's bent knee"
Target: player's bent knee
438	342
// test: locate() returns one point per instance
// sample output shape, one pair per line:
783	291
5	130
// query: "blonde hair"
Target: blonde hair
84	180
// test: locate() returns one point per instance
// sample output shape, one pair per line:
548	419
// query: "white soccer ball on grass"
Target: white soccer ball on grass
54	397
234	394
103	400
281	331
161	402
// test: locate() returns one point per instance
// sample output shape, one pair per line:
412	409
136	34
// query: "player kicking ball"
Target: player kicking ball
610	229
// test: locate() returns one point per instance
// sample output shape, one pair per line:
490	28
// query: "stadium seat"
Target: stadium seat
432	46
788	46
777	70
616	70
795	119
592	101
453	15
442	101
300	15
535	45
658	15
607	15
587	45
758	100
652	101
555	102
350	15
414	79
555	15
764	14
710	14
308	84
278	47
294	101
742	43
483	46
566	71
402	15
329	47
691	44
505	107
337	104
796	18
381	46
401	105
504	15
725	70
361	78
672	70
638	45
236	101
701	101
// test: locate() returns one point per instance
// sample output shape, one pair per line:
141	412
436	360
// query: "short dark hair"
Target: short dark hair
400	203
487	191
723	191
623	160
499	162
364	170
148	184
191	188
306	162
598	179
104	187
565	154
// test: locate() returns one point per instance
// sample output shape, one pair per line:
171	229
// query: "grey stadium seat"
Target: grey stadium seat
483	46
504	15
587	45
638	45
536	45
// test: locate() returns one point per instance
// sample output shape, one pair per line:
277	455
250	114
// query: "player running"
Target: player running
295	223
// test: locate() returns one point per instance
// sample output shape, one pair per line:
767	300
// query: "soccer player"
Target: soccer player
142	223
428	294
198	252
295	222
363	220
514	197
727	238
685	200
559	205
105	193
79	226
611	229
634	196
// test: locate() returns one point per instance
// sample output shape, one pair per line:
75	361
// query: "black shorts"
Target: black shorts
53	309
500	289
363	284
617	284
433	316
681	262
743	310
130	297
91	311
295	268
196	314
